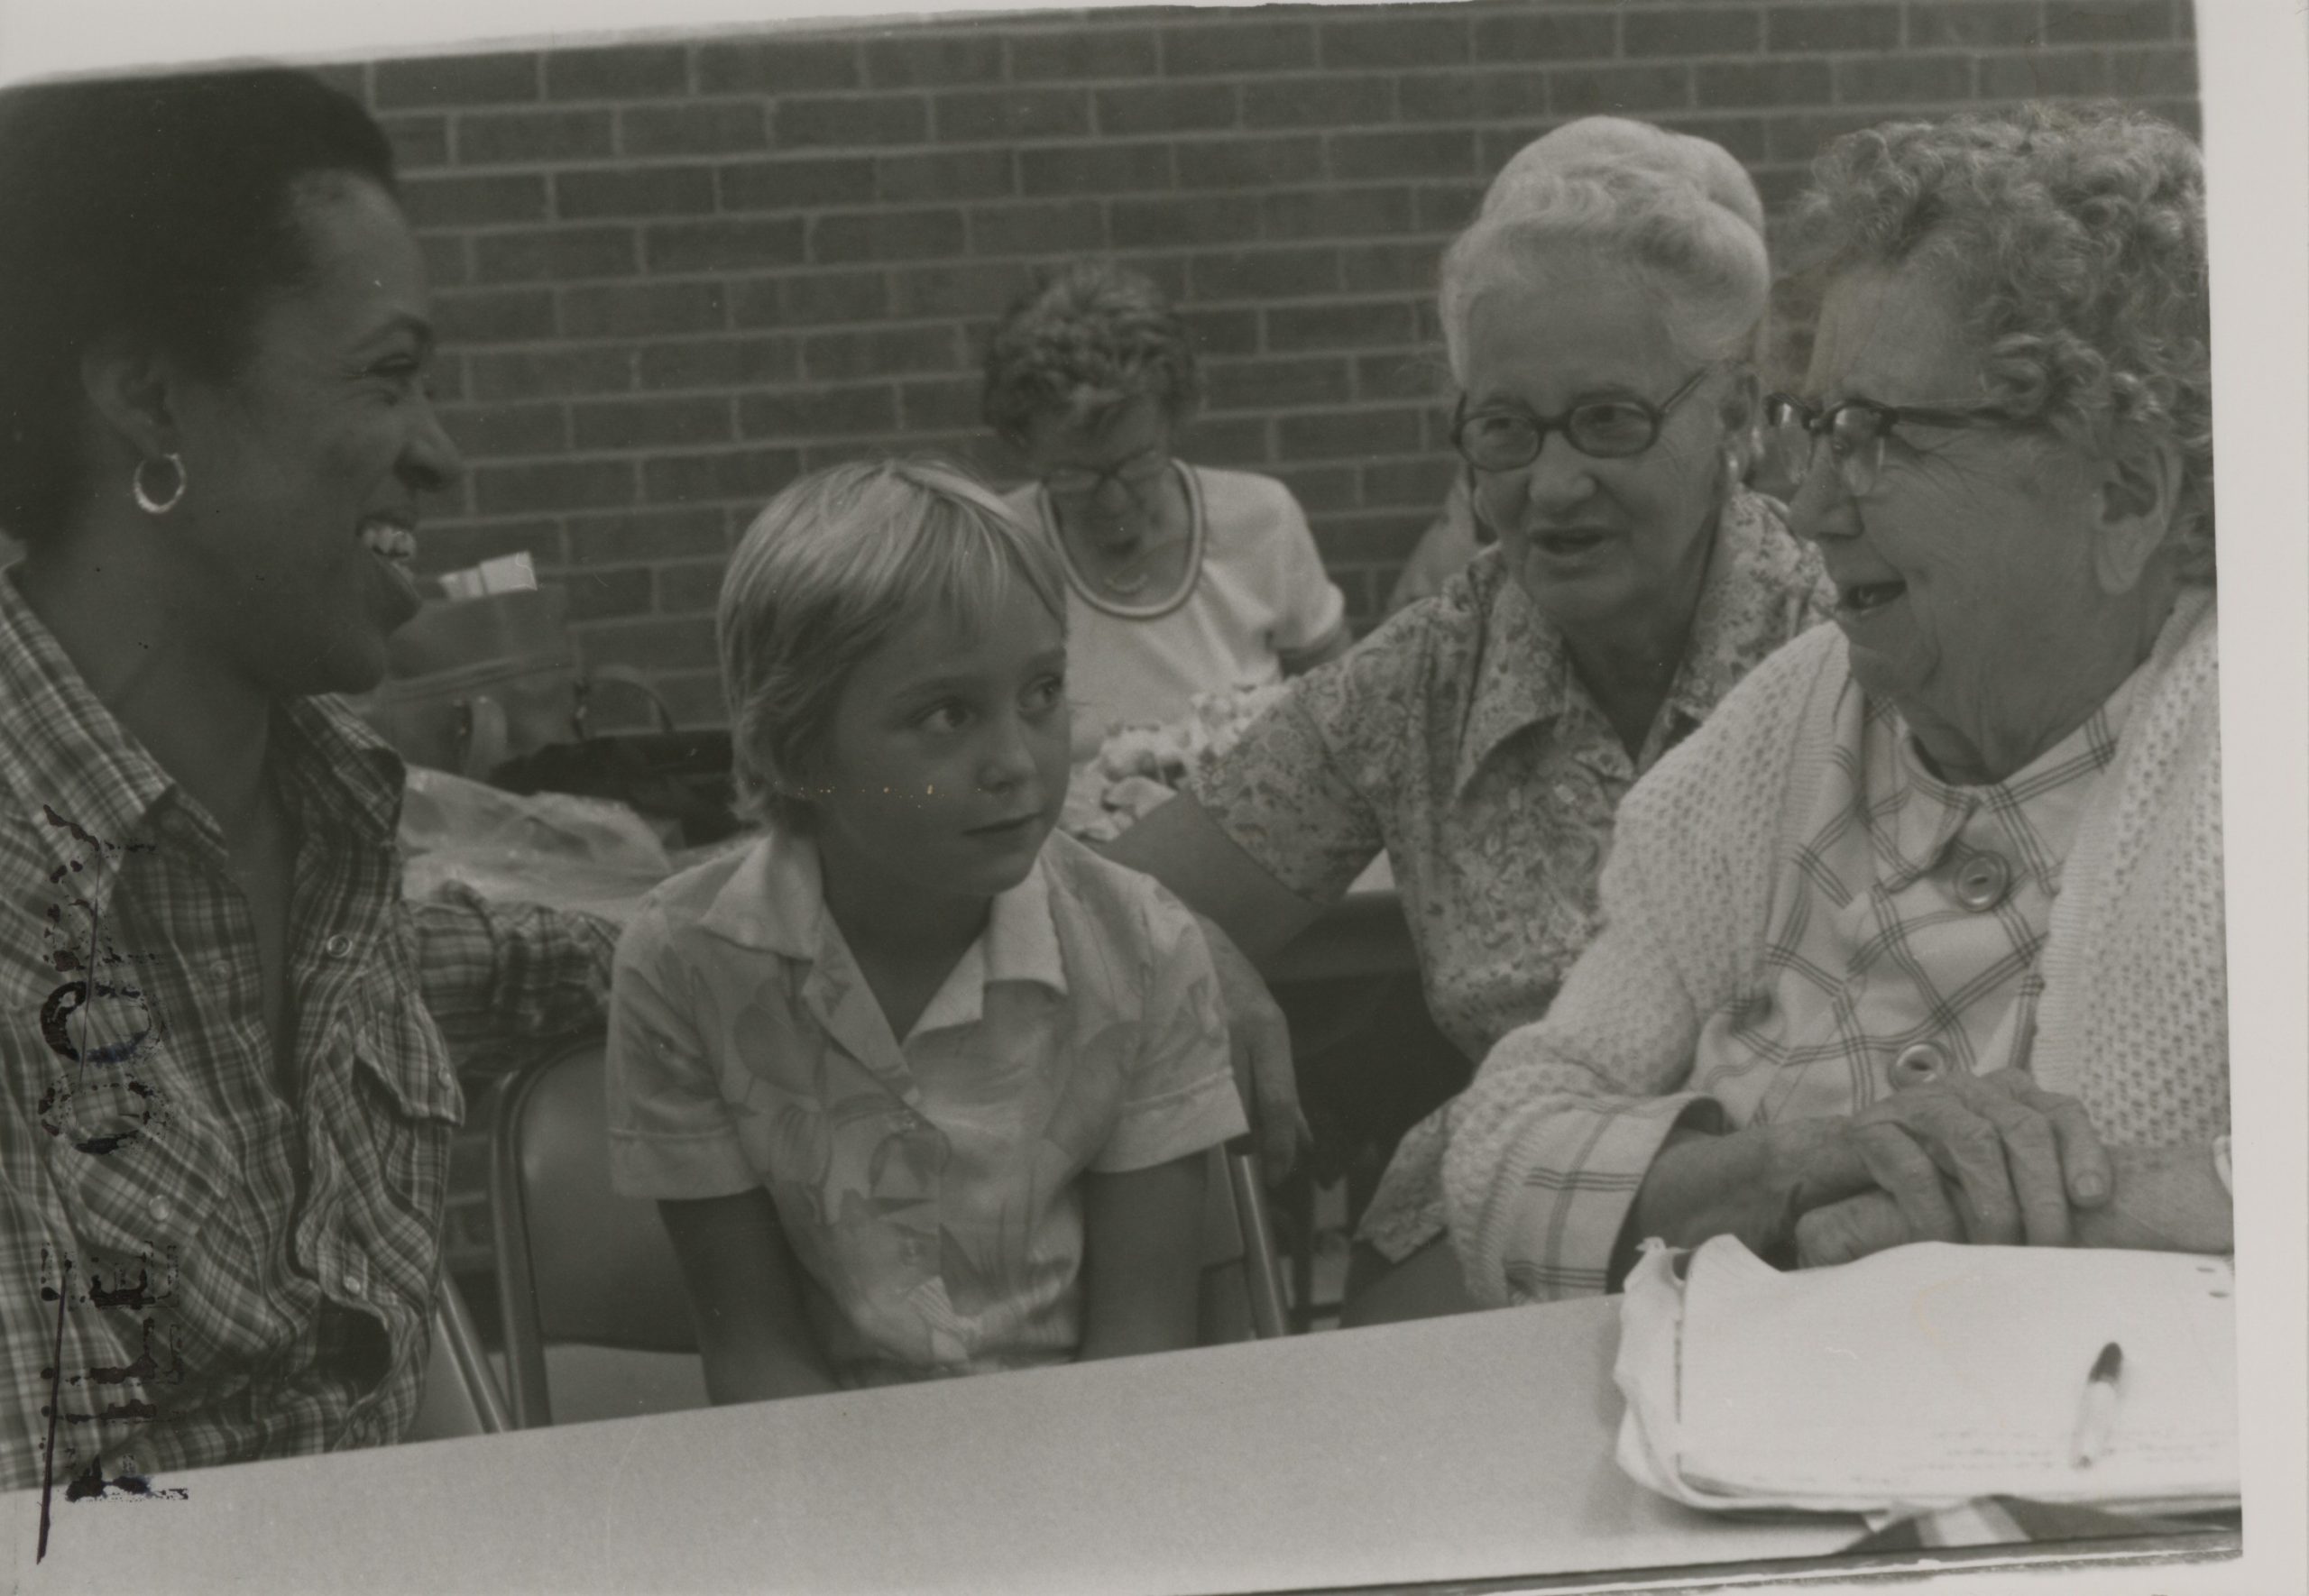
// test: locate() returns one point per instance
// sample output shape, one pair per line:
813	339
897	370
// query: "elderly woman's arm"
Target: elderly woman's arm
1574	1118
1245	915
1276	831
1181	847
1578	1140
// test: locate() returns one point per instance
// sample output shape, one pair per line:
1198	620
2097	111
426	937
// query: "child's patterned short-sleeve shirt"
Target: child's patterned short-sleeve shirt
931	1188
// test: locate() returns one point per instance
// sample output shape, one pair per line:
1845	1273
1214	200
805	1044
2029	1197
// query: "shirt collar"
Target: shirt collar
1755	573
1522	674
68	760
775	902
70	756
337	763
1928	811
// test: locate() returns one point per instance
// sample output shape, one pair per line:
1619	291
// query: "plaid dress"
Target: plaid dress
1918	923
1795	900
227	1274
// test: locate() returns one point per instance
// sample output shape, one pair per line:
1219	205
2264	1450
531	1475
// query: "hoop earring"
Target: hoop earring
145	500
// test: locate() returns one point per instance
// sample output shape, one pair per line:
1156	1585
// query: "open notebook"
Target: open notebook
1933	1373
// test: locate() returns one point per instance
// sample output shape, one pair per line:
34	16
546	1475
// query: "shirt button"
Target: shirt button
159	1208
1917	1063
1982	881
220	972
338	946
351	1279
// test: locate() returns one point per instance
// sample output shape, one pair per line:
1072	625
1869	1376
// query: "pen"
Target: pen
2096	1411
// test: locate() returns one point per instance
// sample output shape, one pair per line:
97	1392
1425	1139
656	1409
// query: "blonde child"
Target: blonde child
920	1088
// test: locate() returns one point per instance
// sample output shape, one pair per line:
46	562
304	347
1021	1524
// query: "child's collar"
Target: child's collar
775	901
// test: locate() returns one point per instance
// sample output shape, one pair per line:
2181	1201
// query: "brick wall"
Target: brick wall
672	275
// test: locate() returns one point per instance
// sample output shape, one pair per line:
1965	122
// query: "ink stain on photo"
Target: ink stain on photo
92	1484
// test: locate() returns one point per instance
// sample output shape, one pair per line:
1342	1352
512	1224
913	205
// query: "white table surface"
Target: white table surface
1448	1449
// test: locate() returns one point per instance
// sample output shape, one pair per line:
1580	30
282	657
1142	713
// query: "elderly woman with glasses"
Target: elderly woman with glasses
1920	937
1451	541
1181	579
1596	325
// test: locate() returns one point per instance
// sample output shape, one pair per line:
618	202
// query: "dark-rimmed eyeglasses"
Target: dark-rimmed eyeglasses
1854	432
1509	438
1072	482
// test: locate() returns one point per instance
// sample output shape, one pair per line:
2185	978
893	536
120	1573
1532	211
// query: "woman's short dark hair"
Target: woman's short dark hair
1096	336
163	208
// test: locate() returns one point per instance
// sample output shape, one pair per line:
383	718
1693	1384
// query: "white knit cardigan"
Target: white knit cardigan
2132	1019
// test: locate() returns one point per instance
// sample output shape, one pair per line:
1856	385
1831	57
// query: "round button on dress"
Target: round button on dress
1917	1063
1981	882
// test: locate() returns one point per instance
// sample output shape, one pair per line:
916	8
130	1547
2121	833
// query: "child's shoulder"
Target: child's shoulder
686	901
1095	899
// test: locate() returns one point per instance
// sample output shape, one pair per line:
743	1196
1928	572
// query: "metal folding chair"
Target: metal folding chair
1242	1272
576	1262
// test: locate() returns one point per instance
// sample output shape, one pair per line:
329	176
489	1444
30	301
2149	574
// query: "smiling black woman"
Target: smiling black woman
215	442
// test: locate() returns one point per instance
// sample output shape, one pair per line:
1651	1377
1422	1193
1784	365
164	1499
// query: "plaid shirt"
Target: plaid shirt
1888	941
249	1276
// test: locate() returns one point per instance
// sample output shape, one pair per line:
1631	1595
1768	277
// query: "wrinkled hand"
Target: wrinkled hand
1260	1041
1851	1229
1991	1159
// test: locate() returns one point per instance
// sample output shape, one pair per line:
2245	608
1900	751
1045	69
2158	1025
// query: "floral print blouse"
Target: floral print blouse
1458	739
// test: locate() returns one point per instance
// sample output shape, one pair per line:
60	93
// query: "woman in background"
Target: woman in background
1181	579
1598	330
225	1085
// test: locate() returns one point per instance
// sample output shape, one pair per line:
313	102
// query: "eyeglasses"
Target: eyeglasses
1078	482
1855	431
1508	438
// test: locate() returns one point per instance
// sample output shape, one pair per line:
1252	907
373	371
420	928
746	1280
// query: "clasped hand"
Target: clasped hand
1992	1159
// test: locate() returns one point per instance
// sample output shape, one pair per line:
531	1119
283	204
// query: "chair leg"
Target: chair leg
452	1326
1270	1317
1298	1199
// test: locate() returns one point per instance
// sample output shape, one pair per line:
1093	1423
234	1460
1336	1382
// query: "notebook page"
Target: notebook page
1937	1370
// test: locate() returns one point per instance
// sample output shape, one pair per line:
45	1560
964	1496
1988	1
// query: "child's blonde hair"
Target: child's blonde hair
835	566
